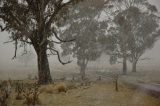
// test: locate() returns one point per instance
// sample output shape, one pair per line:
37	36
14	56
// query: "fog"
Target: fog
114	53
7	52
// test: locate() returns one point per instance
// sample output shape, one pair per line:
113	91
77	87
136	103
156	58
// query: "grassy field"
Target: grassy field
99	93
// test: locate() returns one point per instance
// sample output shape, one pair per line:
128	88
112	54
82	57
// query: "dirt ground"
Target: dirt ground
99	93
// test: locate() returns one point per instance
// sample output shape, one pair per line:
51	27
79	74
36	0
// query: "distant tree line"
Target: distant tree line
123	29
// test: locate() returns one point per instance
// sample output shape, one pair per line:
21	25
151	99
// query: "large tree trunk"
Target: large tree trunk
134	66
124	65
43	68
44	76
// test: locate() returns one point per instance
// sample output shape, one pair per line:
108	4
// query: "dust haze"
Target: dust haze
63	52
7	52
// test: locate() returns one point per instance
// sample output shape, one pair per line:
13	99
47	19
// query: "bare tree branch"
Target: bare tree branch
61	39
55	42
59	58
3	29
25	41
15	52
8	41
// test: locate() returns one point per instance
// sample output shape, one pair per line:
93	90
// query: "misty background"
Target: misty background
7	52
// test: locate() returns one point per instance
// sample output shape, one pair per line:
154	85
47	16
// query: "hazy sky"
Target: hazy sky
7	50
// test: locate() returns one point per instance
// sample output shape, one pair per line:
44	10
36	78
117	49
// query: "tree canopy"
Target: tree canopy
86	27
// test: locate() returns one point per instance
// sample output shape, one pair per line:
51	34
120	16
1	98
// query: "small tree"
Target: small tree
34	22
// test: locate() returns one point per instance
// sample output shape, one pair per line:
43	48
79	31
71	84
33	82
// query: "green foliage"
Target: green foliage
87	29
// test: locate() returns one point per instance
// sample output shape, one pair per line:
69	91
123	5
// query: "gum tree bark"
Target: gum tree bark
43	67
44	75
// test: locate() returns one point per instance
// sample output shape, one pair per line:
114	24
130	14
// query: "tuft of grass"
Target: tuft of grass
47	89
32	95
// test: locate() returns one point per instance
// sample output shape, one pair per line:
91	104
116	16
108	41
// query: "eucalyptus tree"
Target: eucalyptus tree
84	25
127	24
34	22
144	33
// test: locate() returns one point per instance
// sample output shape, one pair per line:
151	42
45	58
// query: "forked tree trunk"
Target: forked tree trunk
44	76
124	65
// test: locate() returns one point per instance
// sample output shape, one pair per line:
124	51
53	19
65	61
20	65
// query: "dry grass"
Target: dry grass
58	87
98	94
47	89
